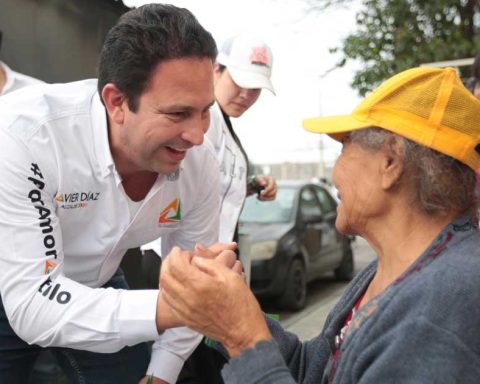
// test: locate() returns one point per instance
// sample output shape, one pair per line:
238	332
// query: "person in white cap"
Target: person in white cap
242	70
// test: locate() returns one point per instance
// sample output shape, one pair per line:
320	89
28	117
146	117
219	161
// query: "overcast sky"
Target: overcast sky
271	130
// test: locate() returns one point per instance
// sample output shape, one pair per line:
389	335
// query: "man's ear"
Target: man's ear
392	165
115	103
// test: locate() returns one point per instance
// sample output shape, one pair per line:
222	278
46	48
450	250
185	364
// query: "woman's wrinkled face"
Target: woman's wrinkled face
357	176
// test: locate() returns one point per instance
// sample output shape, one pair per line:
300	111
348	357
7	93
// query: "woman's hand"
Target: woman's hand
211	297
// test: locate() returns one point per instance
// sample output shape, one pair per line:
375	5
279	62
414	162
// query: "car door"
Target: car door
332	243
311	228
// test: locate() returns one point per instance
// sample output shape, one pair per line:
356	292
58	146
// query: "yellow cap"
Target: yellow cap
427	105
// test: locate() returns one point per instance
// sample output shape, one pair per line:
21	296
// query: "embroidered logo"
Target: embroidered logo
49	266
259	56
76	199
171	213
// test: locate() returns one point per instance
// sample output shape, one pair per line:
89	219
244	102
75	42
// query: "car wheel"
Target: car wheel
295	294
346	268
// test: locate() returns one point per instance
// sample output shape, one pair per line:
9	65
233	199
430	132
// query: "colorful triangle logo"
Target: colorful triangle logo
59	198
171	213
49	266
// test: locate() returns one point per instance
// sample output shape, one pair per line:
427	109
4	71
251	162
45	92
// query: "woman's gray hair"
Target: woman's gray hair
439	183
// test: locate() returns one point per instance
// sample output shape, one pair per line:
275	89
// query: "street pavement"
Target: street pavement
322	295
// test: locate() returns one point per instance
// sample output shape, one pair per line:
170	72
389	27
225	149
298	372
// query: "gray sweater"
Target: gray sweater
424	328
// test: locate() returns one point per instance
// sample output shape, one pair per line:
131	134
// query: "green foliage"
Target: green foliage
393	35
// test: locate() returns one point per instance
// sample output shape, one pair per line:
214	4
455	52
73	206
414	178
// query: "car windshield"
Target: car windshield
276	211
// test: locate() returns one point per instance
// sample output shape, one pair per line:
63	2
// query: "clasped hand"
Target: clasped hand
206	291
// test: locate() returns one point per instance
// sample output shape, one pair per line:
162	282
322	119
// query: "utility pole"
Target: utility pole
321	146
321	165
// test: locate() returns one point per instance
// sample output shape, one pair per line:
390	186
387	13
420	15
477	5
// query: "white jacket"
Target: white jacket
65	226
233	173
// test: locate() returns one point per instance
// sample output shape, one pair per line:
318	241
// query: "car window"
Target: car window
326	201
309	204
276	211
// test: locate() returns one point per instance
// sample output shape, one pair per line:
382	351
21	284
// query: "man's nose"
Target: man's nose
195	133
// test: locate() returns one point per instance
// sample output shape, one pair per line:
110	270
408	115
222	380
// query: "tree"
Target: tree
394	35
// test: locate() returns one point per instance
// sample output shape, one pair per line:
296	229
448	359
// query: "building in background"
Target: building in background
56	40
297	171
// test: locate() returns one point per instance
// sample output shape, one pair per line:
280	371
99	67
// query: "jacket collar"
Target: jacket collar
99	124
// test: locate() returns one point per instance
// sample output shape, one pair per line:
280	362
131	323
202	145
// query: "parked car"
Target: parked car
292	241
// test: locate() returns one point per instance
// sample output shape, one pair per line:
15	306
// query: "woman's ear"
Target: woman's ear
392	165
115	103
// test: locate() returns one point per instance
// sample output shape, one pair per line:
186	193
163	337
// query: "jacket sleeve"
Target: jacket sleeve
170	352
283	360
262	364
42	305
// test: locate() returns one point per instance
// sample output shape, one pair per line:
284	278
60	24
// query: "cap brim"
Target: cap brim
250	80
335	126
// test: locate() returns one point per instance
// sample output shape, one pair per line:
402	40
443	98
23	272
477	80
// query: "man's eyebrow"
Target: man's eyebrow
174	108
181	107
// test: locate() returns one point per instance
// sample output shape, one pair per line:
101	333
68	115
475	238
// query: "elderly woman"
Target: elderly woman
406	184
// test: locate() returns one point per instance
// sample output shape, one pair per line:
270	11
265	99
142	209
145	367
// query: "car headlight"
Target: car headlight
263	251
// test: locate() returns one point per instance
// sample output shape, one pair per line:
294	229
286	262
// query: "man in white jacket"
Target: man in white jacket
242	70
90	169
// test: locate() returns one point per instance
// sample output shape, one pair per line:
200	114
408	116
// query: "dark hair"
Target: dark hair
145	37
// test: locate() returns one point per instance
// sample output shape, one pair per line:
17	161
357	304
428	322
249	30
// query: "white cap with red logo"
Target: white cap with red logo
249	61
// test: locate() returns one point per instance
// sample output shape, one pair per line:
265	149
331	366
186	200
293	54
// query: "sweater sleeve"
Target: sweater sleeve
262	364
283	360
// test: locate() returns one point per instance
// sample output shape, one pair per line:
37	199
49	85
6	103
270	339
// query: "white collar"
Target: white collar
99	124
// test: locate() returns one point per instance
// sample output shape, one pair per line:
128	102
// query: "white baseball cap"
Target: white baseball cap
248	60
